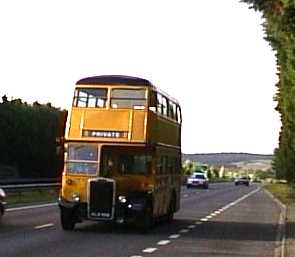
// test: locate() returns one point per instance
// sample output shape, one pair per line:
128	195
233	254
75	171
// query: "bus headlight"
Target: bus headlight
76	197
122	199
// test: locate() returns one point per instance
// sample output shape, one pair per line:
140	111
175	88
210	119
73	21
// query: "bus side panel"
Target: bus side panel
139	126
74	124
168	132
78	184
162	130
167	180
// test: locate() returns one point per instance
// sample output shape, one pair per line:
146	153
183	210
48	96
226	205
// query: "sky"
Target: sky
210	55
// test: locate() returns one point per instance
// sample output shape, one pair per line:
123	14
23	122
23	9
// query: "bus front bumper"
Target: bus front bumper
125	212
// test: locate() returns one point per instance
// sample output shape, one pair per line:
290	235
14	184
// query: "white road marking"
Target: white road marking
163	242
281	229
185	195
149	250
183	230
31	207
44	226
174	236
238	200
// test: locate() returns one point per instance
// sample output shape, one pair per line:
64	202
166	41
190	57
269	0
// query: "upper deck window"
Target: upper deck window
90	97
178	114
128	98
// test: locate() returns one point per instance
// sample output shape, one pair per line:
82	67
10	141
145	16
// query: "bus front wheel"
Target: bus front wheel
67	219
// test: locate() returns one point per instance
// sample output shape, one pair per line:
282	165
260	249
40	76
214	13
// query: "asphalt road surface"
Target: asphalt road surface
225	220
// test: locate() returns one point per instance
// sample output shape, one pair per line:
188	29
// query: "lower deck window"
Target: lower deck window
81	167
82	158
134	164
125	161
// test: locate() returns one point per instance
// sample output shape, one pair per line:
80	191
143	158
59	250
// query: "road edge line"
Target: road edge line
281	231
30	207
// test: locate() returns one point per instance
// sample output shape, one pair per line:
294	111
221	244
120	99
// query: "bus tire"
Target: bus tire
67	219
1	211
170	214
146	222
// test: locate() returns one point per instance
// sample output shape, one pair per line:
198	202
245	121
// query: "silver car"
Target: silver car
244	180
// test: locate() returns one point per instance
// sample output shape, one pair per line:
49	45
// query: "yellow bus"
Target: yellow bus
122	153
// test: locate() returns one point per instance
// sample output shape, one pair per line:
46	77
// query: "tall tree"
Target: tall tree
279	27
28	138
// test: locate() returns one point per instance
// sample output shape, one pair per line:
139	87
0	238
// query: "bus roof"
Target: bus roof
121	80
114	80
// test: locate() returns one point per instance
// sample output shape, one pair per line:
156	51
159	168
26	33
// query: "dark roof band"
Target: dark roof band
114	80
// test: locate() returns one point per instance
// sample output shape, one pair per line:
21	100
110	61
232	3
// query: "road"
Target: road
225	220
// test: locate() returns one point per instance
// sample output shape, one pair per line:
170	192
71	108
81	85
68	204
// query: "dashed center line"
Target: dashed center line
174	236
164	242
149	250
199	222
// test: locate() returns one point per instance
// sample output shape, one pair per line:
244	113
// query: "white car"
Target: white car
2	202
197	179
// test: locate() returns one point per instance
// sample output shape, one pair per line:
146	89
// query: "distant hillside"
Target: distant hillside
226	158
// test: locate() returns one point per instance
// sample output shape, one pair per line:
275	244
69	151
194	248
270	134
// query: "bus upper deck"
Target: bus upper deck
128	110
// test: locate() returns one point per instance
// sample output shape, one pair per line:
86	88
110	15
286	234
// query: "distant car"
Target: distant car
245	180
2	202
197	180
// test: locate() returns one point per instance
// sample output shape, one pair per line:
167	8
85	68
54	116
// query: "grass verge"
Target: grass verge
29	197
284	192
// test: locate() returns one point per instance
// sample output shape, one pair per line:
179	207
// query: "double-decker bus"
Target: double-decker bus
122	153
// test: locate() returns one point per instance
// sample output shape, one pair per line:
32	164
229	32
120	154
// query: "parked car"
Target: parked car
2	202
198	179
244	180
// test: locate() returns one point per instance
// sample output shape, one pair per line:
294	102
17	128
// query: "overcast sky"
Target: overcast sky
210	55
